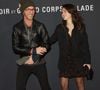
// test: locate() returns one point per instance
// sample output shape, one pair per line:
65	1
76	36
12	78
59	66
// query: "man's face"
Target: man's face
29	12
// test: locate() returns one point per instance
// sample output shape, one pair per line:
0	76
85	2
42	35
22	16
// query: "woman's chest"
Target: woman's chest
64	37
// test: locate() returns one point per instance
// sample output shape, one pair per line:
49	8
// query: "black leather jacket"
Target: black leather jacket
24	40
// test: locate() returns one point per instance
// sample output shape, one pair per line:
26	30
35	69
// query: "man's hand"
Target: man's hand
41	50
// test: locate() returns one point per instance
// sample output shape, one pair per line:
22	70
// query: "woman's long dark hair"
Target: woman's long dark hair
76	18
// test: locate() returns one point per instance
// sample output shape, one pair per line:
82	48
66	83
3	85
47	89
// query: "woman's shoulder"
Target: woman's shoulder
59	26
83	28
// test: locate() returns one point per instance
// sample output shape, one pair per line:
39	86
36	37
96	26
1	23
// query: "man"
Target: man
30	39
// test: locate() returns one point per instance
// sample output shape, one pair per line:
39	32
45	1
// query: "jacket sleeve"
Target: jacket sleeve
85	47
45	37
53	37
16	43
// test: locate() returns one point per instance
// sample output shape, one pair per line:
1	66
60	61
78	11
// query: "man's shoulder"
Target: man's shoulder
18	24
17	27
38	23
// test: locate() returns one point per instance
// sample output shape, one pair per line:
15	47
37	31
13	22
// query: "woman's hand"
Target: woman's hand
41	50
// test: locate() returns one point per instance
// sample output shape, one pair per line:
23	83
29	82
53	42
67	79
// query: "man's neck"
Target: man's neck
28	22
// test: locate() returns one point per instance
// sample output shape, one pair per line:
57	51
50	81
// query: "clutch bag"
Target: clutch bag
90	73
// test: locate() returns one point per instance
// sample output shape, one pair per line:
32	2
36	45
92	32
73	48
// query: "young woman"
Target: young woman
73	47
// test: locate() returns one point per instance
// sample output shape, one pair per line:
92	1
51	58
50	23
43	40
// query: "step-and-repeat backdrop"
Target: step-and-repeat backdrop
48	12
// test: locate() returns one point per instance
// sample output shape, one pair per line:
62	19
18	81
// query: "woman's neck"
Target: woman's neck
69	22
70	26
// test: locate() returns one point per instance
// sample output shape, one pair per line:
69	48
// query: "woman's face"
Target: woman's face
65	14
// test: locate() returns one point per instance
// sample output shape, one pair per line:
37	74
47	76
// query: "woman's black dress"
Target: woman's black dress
73	51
